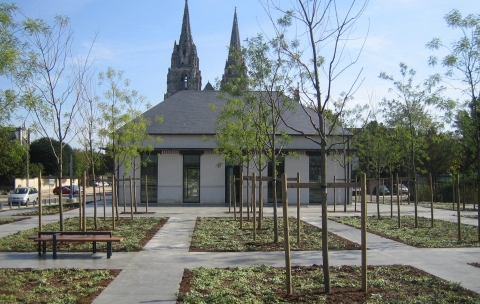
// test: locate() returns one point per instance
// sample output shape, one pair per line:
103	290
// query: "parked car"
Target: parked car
402	189
23	196
100	184
75	189
65	190
382	190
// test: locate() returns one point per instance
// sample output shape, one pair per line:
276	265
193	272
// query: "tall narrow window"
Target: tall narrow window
314	177
191	178
184	81
150	171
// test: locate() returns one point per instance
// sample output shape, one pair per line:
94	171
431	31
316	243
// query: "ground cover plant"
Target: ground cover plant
449	206
67	285
265	284
224	234
4	221
49	210
442	235
137	233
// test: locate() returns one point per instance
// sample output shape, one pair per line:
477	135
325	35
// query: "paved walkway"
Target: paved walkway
153	275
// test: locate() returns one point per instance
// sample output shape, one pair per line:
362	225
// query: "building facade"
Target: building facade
183	167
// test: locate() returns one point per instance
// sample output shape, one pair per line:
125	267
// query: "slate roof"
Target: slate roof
188	113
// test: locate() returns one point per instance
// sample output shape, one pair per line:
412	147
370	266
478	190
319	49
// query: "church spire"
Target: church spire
235	37
184	73
186	34
234	56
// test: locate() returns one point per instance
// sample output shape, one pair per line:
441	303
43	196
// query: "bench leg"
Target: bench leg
44	245
54	244
94	247
109	249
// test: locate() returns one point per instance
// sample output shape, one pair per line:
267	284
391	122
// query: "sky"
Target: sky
137	37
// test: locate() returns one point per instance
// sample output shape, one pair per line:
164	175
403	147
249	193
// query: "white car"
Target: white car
100	184
23	196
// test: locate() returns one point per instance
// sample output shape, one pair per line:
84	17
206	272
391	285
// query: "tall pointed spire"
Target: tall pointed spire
184	73
234	56
235	37
186	34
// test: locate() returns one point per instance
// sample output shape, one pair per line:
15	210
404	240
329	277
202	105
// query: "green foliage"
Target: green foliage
223	234
56	285
379	149
126	129
43	151
442	235
412	109
248	125
441	153
463	54
263	284
12	156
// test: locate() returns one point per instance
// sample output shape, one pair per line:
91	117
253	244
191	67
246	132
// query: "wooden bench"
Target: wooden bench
74	236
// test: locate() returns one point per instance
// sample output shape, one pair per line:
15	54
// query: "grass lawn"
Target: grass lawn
443	235
49	210
265	284
136	233
53	285
224	234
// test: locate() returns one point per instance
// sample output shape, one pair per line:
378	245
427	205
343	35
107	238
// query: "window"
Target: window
314	177
150	170
184	81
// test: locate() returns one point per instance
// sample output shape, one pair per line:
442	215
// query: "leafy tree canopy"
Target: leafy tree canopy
41	151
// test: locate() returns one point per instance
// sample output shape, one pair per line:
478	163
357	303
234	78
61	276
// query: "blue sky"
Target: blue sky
137	36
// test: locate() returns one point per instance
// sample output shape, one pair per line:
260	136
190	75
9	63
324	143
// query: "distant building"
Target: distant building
22	134
183	167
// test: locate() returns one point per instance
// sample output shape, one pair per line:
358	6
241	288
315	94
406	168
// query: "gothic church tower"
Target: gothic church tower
184	73
234	58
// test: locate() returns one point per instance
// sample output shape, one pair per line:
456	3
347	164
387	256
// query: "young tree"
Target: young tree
16	61
319	51
463	64
413	106
258	106
269	79
51	94
88	123
125	128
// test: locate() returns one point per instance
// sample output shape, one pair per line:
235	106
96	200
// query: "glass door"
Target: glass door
149	170
191	178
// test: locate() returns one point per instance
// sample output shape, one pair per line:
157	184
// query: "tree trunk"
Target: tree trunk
323	193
